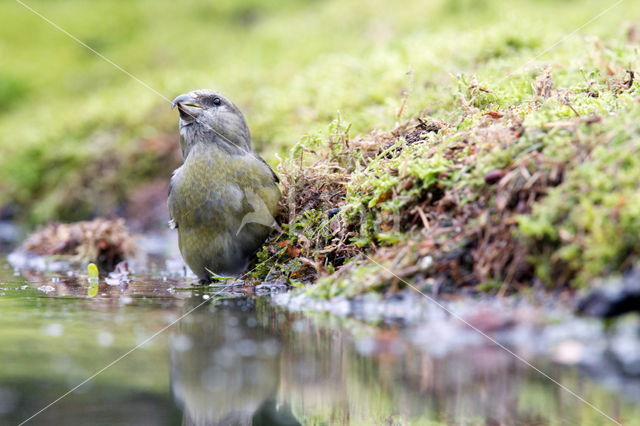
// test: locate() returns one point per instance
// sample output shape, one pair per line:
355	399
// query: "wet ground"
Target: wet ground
230	356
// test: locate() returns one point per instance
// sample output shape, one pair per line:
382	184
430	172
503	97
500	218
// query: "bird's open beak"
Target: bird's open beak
188	107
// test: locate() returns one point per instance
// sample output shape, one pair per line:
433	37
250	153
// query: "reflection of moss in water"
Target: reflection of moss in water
51	344
113	404
552	405
326	381
37	334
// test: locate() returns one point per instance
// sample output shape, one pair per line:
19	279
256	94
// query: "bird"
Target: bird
223	199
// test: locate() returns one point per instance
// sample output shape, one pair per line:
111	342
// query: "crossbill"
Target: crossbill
224	198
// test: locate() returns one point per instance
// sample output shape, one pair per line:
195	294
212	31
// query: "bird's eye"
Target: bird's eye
217	101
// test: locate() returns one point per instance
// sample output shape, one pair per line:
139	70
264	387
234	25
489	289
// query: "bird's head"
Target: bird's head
209	117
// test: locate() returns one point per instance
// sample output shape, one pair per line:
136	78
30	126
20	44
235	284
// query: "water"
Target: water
237	358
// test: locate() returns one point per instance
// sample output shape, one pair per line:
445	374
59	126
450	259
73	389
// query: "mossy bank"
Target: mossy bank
534	180
457	143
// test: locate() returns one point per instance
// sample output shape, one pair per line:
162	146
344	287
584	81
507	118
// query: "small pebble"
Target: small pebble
332	212
494	176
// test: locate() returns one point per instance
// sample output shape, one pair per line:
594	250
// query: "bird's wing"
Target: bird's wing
275	176
260	213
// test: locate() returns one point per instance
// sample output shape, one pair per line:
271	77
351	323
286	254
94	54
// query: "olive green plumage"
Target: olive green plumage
224	197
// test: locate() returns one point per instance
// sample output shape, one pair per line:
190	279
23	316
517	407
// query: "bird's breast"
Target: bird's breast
203	188
218	189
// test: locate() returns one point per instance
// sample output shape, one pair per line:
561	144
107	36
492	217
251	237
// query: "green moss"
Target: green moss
336	91
12	90
564	149
589	225
287	85
357	280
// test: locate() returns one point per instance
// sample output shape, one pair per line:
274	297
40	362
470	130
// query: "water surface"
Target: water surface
237	358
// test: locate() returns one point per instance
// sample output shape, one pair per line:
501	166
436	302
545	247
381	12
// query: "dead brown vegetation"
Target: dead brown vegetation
103	241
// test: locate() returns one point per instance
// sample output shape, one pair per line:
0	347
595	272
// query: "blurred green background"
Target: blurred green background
78	137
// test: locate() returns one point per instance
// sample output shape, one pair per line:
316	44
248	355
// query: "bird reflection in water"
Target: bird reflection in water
225	366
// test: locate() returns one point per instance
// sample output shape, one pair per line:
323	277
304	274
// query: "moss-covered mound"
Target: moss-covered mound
476	143
505	194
